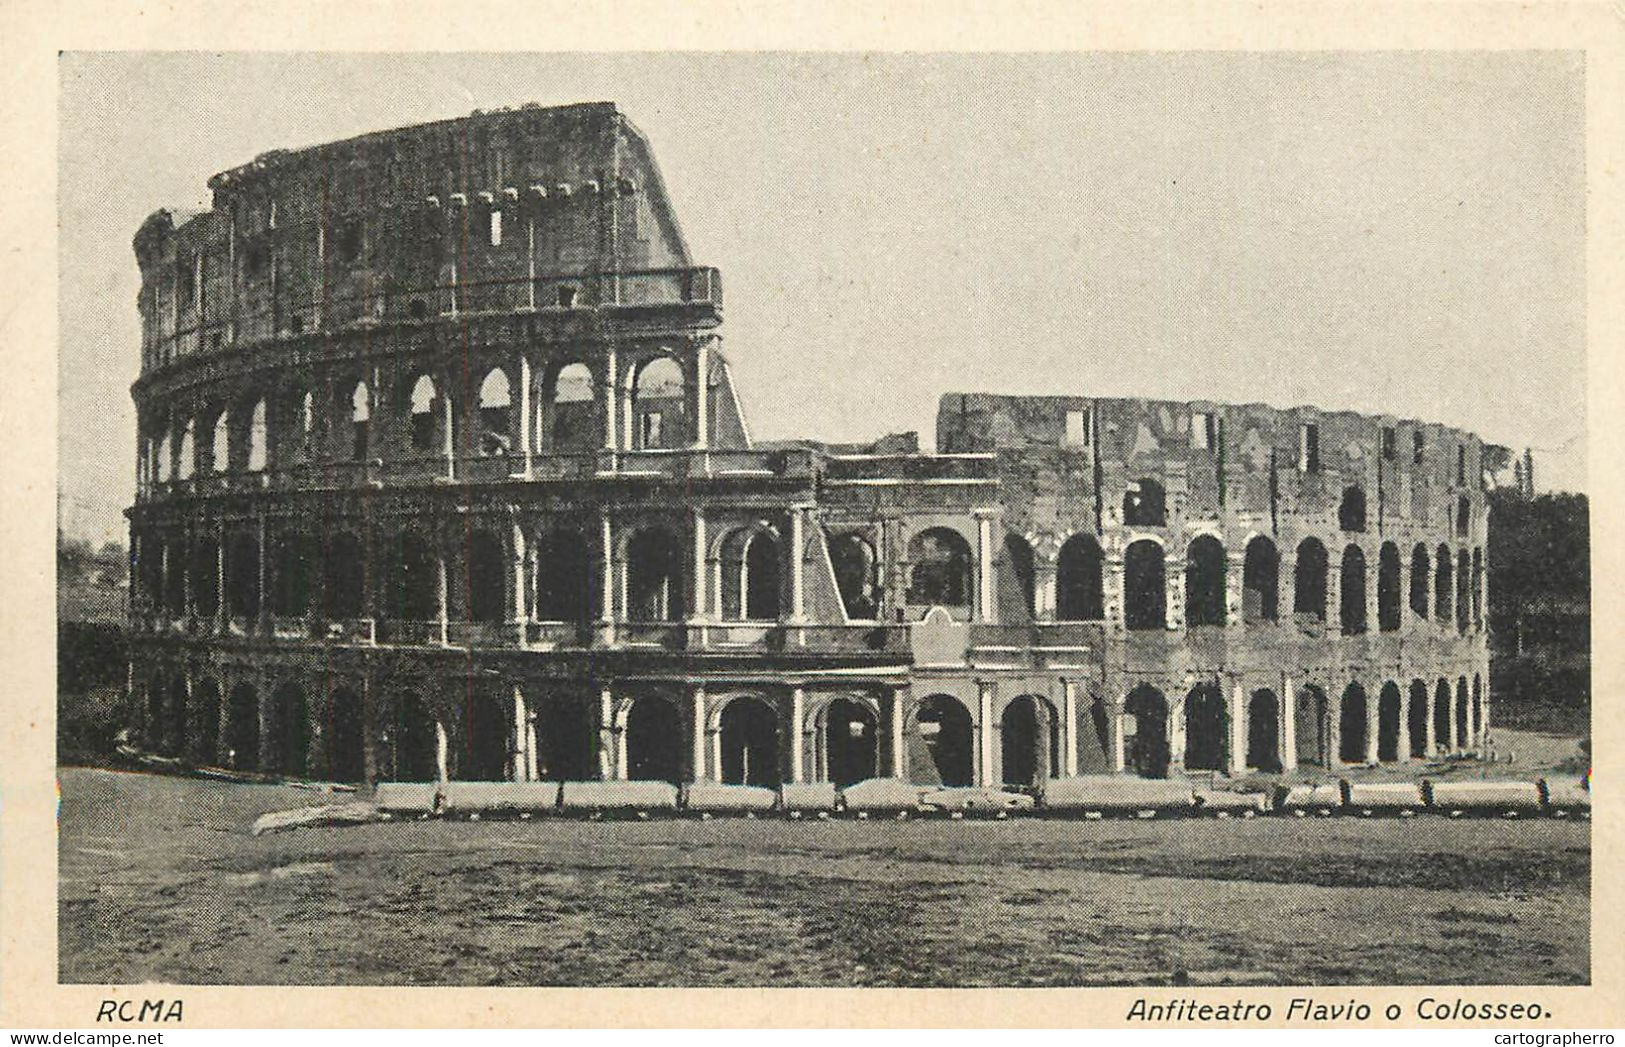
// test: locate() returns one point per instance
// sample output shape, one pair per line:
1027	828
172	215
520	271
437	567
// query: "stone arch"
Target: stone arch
1416	720
1206	728
1205	568
748	742
1462	711
346	735
1146	749
424	416
1351	591
487	736
293	579
360	411
1261	581
857	574
1352	725
1312	726
1309	581
290	730
1389	727
564	589
939	568
203	574
566	737
1145	593
653	736
751	574
243	728
1029	740
258	455
1443	584
1264	731
243	575
848	740
1419	581
487	576
658	404
1388	597
1441	715
220	442
413	739
1079	580
413	575
1464	598
654	575
1145	504
494	416
343	575
569	409
186	456
1479	725
944	726
1351	511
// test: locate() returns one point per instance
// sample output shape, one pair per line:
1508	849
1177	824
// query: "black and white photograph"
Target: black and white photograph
1125	525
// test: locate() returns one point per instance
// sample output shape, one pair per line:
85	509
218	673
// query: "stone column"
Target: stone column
1455	728
1114	737
612	395
222	613
606	551
441	611
899	751
702	395
1238	728
264	575
986	605
1069	728
798	702
697	737
1289	724
983	771
442	752
1373	723
448	433
1429	734
611	757
517	612
522	757
520	406
798	514
1173	575
701	575
1044	580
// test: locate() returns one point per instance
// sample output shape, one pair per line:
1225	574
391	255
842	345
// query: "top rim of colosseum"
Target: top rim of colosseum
272	159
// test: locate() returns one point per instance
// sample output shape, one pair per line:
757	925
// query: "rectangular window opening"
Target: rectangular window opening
1077	429
1418	447
1204	430
1309	448
1390	443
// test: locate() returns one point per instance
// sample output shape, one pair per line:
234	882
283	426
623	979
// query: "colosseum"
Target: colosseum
442	475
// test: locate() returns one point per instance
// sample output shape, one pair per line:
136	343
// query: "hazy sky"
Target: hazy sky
1381	232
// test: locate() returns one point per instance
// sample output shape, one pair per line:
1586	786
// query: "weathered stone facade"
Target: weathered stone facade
441	473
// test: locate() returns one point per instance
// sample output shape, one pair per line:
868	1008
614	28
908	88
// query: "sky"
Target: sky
1387	233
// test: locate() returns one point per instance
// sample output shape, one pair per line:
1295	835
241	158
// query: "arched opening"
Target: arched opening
414	580
857	575
290	730
1309	581
343	571
1261	582
424	411
204	576
1464	512
1388	726
1029	741
1443	584
563	577
1264	732
750	743
570	412
1145	732
1462	711
243	576
653	741
346	742
945	728
1351	725
1388	607
1478	709
940	569
187	457
566	740
206	722
750	575
487	733
1416	719
1441	715
658	405
220	446
415	742
166	459
1478	588
850	735
653	576
1020	556
1311	727
1351	590
1145	594
360	421
243	728
1419	581
295	558
258	438
487	578
175	727
1464	581
495	413
1205	728
1144	504
1205	582
1079	588
1351	512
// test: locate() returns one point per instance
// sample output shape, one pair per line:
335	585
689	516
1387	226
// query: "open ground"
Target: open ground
161	881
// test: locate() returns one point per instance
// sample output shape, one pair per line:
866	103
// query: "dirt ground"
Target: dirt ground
160	881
